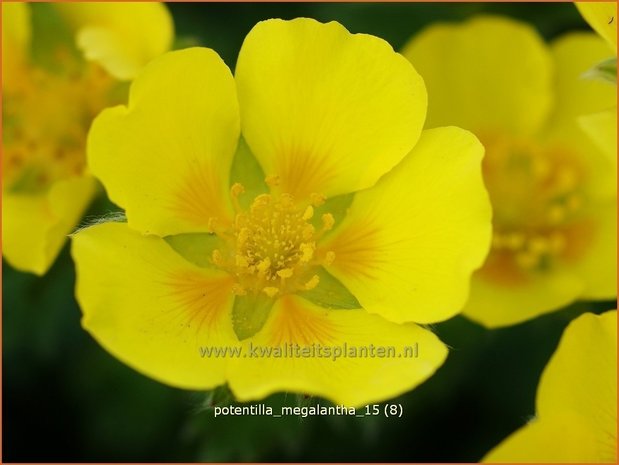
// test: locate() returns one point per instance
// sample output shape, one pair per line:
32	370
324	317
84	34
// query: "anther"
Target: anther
272	180
329	258
312	283
327	221
270	291
317	199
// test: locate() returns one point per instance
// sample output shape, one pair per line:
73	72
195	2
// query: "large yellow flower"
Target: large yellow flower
576	419
60	66
215	253
553	192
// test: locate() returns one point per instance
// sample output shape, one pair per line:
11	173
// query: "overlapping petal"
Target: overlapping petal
574	54
602	16
150	308
351	381
35	226
490	73
327	111
166	156
408	246
121	36
576	400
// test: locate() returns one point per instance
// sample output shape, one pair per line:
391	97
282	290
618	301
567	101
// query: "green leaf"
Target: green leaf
605	71
249	314
247	171
197	248
330	293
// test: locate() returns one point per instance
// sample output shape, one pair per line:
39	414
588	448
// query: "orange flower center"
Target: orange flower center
46	119
271	247
538	200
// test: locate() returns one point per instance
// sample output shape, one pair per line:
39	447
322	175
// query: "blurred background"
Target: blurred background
65	399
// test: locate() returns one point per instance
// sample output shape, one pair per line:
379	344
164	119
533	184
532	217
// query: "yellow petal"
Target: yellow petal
576	400
351	381
489	73
496	304
408	246
597	267
150	308
166	157
35	227
602	129
121	36
602	16
574	54
563	440
15	41
327	111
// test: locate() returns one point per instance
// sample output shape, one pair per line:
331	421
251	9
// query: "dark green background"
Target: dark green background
65	399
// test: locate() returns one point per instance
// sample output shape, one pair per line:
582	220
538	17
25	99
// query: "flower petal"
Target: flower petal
495	304
35	227
602	16
166	157
576	400
408	246
574	54
597	268
558	441
16	32
346	380
602	129
150	308
327	111
121	36
489	73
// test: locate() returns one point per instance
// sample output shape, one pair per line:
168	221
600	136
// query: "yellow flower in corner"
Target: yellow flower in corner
576	420
602	16
60	66
602	126
552	189
332	217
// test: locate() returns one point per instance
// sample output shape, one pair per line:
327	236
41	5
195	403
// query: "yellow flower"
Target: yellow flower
602	126
212	255
602	16
553	192
576	419
51	93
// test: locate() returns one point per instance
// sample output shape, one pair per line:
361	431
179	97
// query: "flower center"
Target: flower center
272	246
537	197
46	119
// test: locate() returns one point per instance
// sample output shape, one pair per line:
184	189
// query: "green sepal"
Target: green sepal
247	171
605	71
250	313
52	34
338	206
220	396
196	248
330	293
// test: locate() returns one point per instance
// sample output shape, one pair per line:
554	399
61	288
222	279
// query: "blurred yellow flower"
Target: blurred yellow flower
51	93
215	253
576	420
553	192
602	126
602	16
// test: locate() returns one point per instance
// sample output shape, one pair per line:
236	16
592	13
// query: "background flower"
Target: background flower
553	192
51	93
